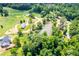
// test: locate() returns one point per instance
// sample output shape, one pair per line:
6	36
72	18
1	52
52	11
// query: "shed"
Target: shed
23	25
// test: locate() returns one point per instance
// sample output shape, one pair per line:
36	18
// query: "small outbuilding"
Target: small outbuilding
23	25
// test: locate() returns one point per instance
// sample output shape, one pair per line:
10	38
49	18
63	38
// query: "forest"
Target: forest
50	30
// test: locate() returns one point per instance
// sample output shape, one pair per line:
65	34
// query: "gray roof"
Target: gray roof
5	44
5	41
6	38
23	25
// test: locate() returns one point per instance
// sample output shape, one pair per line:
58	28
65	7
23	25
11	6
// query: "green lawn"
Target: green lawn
6	53
11	20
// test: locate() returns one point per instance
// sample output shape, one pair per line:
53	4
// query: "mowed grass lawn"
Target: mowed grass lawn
11	20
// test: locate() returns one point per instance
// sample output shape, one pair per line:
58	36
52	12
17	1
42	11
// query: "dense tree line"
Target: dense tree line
34	44
74	27
21	6
3	12
70	11
57	44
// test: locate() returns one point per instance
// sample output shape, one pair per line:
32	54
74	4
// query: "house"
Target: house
5	41
23	25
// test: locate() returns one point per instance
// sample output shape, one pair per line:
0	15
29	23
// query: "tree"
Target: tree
33	27
25	49
13	52
1	10
5	12
31	16
45	33
20	6
45	52
16	41
39	26
74	27
30	20
20	52
43	13
20	21
44	21
29	54
20	33
37	8
56	32
1	26
58	50
55	42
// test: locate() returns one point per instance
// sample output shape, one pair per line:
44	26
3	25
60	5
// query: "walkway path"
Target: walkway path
68	25
14	30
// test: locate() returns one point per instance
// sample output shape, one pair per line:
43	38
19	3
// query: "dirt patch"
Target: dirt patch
2	50
47	28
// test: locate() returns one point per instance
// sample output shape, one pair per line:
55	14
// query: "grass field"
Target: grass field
11	20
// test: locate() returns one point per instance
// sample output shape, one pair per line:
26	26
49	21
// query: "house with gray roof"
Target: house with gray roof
5	41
